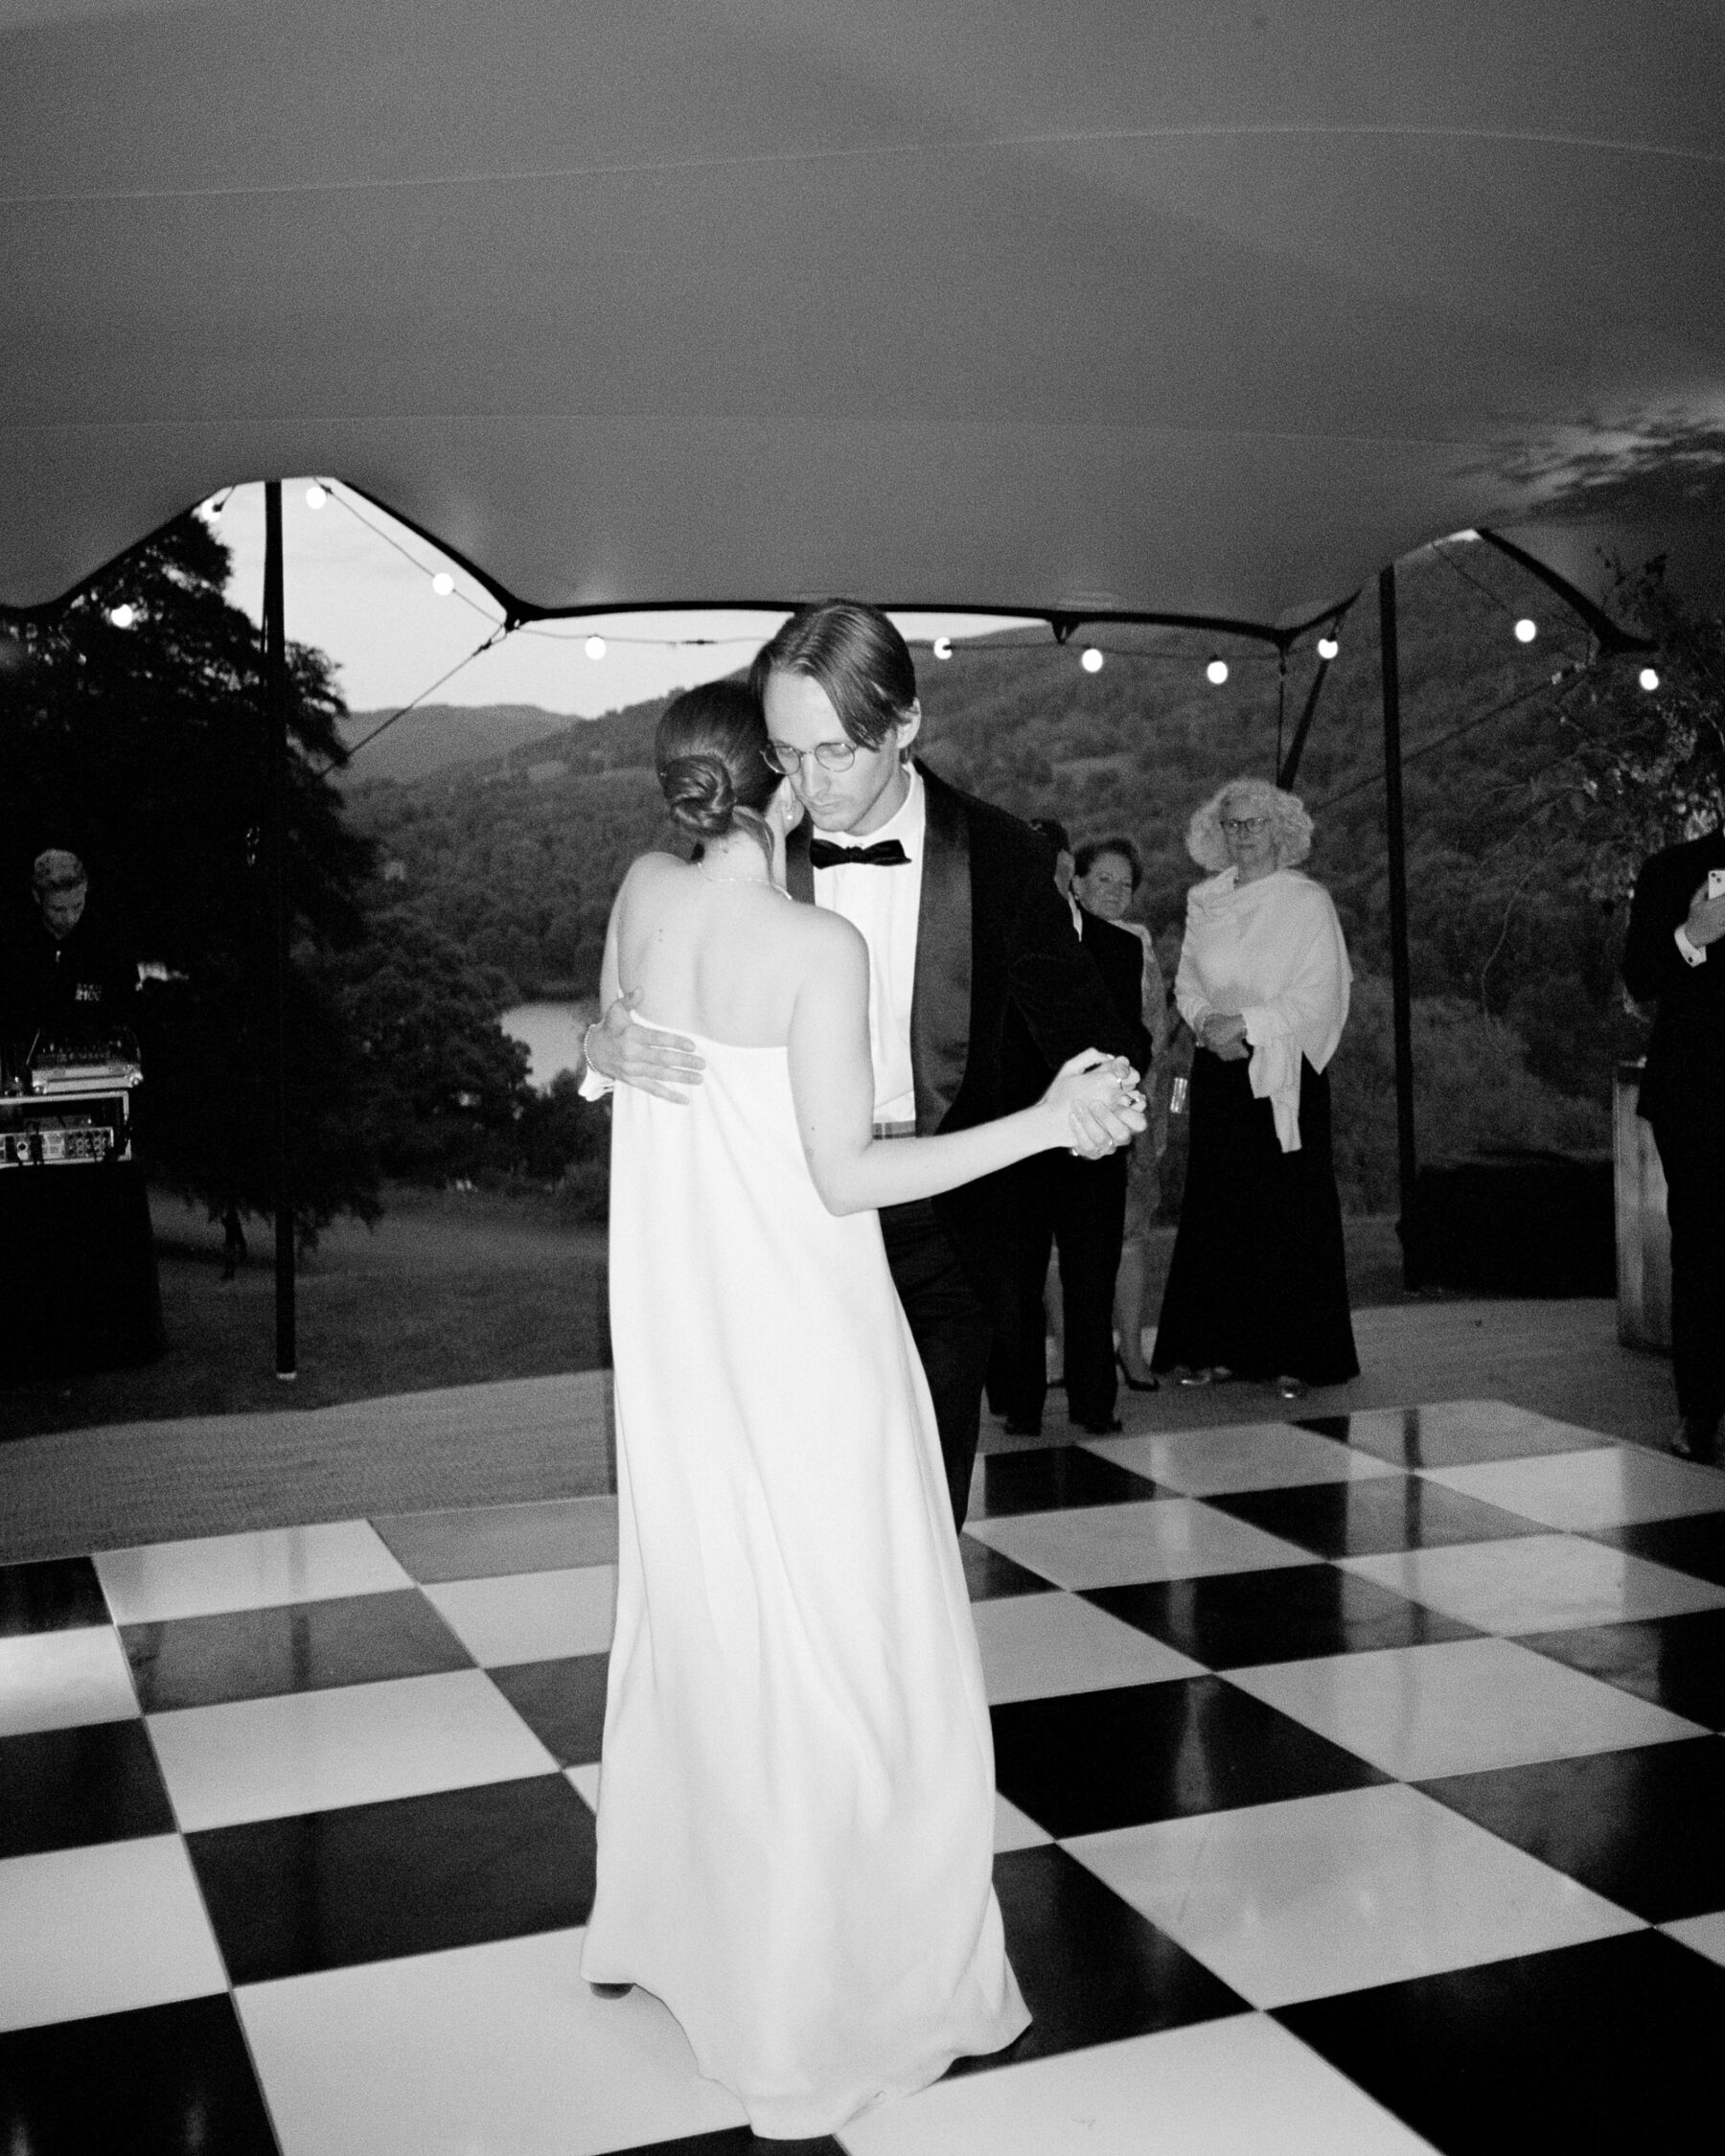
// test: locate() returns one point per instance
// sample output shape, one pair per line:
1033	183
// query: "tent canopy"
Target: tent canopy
1147	306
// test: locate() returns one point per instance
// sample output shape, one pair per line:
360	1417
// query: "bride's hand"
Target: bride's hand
1096	1100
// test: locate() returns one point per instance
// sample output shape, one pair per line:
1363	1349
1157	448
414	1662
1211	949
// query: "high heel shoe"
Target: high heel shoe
1133	1383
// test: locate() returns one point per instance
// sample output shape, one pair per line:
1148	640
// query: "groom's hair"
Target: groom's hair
856	655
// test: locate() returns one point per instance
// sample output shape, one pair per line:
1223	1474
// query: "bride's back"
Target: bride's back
714	956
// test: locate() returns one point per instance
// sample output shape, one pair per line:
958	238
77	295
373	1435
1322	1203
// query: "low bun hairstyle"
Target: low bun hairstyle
710	752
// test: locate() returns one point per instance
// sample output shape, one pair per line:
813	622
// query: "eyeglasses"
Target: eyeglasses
830	755
1244	827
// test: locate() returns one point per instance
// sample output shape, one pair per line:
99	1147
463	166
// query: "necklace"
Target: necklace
764	882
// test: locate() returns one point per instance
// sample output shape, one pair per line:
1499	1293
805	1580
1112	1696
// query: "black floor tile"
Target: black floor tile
1640	1827
61	1789
1695	1544
733	2141
1296	1613
59	1594
294	1647
1092	1969
562	1702
1677	1663
159	2081
1370	1519
1051	1479
1613	2046
1089	1761
1429	1437
373	1882
991	1577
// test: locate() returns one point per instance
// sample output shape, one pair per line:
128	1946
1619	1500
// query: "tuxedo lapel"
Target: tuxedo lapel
799	877
940	1003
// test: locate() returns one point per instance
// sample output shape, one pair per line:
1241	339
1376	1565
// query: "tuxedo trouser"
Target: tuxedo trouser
1692	1151
1079	1208
952	1328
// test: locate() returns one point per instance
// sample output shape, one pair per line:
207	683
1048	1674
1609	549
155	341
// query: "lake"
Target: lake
551	1033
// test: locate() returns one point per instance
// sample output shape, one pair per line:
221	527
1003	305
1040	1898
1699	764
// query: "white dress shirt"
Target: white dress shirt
884	904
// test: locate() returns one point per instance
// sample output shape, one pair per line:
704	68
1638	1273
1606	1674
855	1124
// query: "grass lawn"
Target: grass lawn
450	1287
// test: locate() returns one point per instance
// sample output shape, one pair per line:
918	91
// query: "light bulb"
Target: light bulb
1216	673
1526	631
1648	677
942	647
1092	661
443	584
123	615
315	496
1327	648
595	647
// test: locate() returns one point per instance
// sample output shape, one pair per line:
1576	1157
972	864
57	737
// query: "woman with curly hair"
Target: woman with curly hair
1257	1286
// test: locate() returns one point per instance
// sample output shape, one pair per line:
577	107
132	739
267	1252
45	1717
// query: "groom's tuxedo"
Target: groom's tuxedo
996	960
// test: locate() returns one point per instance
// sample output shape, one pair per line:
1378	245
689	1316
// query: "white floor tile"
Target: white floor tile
1037	1645
1118	1544
101	1930
1238	2087
1015	1830
486	2050
1538	1583
356	1744
57	1680
583	1780
1262	1456
252	1571
1457	1708
1608	1487
1705	1934
1384	1430
1324	1894
531	1616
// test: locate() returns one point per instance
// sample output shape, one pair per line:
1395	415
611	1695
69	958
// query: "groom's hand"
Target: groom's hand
639	1055
1098	1131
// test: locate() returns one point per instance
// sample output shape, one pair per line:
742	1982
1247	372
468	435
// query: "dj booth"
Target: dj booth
78	1276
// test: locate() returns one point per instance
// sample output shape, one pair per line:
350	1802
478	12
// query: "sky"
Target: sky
359	586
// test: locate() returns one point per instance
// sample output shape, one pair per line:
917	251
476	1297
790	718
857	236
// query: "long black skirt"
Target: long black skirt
1258	1280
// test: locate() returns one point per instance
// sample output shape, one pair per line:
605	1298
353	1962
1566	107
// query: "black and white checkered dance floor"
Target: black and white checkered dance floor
1361	1790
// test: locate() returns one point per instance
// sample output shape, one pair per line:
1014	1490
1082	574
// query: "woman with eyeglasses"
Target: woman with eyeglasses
1257	1286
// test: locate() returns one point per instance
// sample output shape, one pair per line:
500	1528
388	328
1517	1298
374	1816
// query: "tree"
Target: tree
144	747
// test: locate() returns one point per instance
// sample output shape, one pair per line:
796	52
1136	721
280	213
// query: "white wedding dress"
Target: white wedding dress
797	1800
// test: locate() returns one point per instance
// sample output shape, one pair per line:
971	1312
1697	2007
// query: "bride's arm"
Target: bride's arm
832	1085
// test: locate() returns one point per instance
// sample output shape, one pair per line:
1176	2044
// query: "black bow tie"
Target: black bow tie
885	853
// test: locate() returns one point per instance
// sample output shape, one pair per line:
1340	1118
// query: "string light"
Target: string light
123	614
595	647
443	584
942	647
1648	677
1216	673
1327	648
315	496
1525	629
1092	661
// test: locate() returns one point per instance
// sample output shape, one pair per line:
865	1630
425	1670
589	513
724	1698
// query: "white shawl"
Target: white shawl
1270	951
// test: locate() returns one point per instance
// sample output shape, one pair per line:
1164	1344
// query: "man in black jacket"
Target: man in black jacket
1675	957
964	926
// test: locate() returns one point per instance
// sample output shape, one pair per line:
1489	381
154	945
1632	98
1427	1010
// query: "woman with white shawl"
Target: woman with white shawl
1257	1286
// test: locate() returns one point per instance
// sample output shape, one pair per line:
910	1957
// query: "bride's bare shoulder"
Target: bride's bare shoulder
656	867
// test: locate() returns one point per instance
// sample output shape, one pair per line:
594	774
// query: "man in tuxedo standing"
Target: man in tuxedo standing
963	925
1675	957
1076	1206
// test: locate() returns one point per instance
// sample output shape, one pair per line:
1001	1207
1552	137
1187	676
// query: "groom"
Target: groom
964	926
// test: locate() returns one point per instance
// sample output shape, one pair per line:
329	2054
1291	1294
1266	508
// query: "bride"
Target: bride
797	1798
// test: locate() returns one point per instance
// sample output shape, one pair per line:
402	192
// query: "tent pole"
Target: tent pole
1399	972
1285	777
276	676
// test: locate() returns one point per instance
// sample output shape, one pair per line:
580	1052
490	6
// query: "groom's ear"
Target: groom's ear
908	728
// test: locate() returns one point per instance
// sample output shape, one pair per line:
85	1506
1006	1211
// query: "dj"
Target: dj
68	981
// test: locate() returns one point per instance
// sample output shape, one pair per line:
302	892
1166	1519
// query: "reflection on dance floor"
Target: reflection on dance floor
1360	1789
